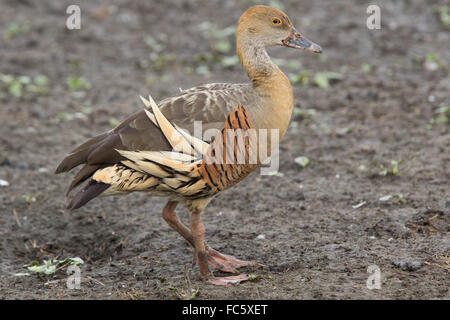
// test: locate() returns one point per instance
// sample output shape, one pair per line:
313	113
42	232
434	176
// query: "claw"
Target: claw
227	281
224	262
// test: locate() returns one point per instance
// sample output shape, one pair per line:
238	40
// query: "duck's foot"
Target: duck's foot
226	263
227	281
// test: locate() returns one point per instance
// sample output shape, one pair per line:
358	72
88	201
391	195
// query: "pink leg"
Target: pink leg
204	254
170	216
216	259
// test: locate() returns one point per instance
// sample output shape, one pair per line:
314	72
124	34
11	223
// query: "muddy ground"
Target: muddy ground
322	225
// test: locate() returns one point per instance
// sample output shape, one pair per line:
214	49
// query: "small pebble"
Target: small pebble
260	237
4	183
407	265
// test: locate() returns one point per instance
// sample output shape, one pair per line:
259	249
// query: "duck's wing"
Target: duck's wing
194	169
209	104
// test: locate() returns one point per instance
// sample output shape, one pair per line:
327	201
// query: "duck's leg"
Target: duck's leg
198	234
170	216
216	259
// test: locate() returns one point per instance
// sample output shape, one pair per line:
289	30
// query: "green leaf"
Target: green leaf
203	70
359	205
254	277
301	79
275	173
153	44
73	261
386	198
222	46
365	67
47	267
302	161
77	261
444	15
322	79
194	293
113	122
64	116
394	167
229	62
24	79
41	80
6	78
431	57
15	89
74	84
293	64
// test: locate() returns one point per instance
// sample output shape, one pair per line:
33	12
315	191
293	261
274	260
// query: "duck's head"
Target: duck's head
272	27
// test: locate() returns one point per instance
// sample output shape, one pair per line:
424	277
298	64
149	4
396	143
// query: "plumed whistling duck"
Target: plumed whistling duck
153	151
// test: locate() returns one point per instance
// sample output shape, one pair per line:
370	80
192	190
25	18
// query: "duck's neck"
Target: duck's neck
269	82
256	62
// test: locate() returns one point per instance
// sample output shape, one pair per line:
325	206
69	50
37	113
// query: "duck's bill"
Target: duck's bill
297	41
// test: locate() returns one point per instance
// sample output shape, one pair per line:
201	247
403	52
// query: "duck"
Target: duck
153	150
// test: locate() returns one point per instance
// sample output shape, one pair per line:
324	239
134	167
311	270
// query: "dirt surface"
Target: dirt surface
318	228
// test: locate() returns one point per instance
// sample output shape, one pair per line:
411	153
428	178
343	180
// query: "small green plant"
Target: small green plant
303	114
323	79
431	57
113	122
220	40
24	86
14	29
293	65
431	62
194	294
302	161
393	170
160	61
301	79
396	198
444	15
153	45
276	4
365	67
78	84
52	266
64	116
359	205
443	116
203	70
230	62
223	46
254	277
29	198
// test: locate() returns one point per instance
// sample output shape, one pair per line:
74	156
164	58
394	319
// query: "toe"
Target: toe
227	281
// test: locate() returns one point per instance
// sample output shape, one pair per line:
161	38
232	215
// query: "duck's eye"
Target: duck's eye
276	21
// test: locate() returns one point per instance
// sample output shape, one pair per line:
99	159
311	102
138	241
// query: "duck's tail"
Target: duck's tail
89	192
